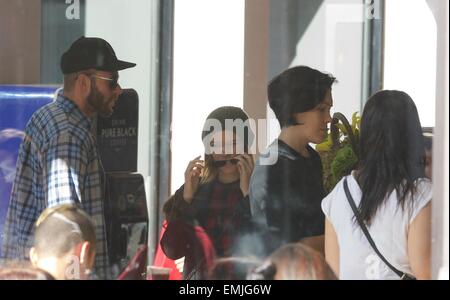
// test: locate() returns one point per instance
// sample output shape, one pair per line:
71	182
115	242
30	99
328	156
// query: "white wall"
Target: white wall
410	54
126	25
130	28
333	44
208	71
440	212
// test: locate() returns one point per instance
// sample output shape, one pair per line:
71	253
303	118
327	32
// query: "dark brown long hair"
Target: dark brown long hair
391	151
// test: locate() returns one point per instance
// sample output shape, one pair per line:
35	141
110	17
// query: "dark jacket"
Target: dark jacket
285	196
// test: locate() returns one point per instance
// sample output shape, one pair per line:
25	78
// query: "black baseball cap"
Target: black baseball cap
91	53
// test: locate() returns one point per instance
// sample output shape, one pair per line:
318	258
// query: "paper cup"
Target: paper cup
158	273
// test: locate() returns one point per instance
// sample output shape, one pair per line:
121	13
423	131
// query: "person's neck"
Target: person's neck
228	178
288	136
68	266
82	104
53	266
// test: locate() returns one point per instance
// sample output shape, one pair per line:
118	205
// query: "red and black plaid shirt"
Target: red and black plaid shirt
220	209
224	218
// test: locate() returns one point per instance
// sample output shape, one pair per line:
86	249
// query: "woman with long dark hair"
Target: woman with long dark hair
392	198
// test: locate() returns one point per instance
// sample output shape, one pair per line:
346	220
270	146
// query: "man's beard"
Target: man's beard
97	100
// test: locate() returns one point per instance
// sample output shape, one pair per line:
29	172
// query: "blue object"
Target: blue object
17	104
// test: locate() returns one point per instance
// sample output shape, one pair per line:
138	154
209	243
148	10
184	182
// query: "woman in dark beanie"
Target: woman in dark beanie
214	196
285	194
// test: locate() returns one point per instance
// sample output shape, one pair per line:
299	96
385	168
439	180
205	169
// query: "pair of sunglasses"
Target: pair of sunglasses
113	82
221	163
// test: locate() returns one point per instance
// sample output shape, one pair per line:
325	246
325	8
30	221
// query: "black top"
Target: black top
285	196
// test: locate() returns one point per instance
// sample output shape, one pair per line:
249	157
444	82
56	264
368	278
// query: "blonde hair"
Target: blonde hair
60	228
297	261
209	172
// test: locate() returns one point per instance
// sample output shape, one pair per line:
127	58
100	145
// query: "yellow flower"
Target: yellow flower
326	145
340	161
356	121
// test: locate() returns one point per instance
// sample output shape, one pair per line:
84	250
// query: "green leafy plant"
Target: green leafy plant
339	152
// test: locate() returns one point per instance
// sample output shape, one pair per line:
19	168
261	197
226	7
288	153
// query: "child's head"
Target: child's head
302	96
226	134
65	242
232	268
22	270
294	261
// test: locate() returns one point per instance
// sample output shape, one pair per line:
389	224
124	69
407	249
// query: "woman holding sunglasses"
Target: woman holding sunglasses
214	195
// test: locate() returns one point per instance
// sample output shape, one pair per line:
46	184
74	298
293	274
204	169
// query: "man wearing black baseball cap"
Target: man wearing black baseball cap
90	75
58	159
91	53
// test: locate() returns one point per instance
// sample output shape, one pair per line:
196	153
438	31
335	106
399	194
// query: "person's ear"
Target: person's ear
86	255
84	84
84	252
34	257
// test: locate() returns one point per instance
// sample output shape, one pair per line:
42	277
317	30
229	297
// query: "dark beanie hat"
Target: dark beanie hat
224	113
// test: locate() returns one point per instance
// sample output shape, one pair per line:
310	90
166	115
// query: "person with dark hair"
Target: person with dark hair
428	141
232	268
294	261
58	160
65	242
285	194
391	198
214	197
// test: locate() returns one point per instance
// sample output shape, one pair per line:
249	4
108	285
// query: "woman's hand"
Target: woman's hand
245	167
192	178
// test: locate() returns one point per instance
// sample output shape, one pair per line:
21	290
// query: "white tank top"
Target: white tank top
389	230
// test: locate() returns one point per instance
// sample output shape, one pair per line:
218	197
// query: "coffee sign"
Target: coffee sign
117	135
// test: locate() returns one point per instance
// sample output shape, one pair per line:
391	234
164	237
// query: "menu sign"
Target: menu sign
117	135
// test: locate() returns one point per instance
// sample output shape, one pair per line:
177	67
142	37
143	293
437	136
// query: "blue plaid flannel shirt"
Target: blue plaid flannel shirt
58	163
